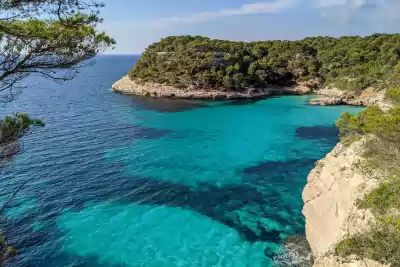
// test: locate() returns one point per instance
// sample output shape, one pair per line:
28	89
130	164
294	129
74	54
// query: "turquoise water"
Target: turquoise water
128	181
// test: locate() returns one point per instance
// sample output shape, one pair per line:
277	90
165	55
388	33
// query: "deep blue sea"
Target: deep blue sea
128	181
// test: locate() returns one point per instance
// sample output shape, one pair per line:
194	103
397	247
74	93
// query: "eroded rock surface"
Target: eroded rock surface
330	207
127	86
368	97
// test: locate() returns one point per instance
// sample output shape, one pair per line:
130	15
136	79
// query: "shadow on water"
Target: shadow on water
279	171
321	133
242	102
264	194
219	203
149	133
62	259
166	104
207	199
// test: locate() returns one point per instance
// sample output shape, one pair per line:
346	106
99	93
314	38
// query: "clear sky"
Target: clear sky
137	23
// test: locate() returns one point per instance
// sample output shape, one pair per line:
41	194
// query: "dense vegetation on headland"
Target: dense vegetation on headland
348	62
381	242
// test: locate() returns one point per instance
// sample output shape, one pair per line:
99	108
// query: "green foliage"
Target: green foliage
371	121
351	127
12	128
348	140
6	250
384	198
43	37
352	63
15	126
346	247
381	243
382	150
394	95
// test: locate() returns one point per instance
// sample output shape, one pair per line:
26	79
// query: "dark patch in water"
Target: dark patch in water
128	131
263	198
284	169
242	102
215	202
209	200
269	253
64	259
218	202
149	133
318	132
166	104
272	178
132	132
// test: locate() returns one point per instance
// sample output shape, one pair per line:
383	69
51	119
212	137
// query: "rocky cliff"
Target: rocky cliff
330	208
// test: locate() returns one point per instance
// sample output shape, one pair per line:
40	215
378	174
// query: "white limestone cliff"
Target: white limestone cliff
330	209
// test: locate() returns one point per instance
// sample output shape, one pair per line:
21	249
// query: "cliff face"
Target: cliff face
330	210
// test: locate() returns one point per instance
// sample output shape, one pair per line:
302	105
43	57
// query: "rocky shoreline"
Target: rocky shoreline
324	96
334	97
127	86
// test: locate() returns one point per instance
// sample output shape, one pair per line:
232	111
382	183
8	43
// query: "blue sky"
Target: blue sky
137	23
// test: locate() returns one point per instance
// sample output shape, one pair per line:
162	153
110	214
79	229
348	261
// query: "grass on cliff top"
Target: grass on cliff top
384	198
394	95
382	242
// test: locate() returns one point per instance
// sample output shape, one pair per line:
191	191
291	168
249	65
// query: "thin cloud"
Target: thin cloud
276	6
329	3
348	11
355	4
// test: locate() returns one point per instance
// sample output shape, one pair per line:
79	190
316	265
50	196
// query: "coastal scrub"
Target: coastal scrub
382	150
350	63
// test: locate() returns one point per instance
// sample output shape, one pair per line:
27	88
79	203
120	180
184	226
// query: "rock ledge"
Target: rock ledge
368	97
127	86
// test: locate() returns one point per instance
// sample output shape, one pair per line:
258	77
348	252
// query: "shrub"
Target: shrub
384	198
394	95
381	242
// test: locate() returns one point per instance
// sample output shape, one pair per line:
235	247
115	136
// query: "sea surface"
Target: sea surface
127	181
